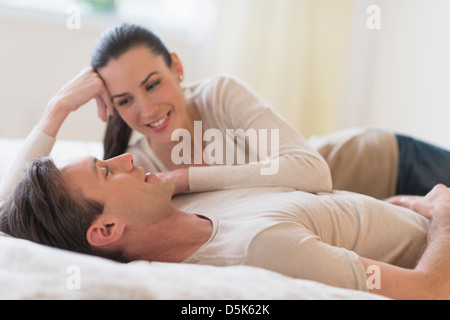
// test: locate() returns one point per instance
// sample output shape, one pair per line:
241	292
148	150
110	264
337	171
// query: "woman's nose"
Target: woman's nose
148	109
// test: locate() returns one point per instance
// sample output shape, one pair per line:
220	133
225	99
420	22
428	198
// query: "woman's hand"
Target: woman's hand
180	177
85	86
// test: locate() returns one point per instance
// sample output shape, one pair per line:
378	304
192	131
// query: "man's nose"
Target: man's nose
123	162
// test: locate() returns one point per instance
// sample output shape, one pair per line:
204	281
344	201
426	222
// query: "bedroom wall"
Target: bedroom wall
280	47
399	75
39	54
316	61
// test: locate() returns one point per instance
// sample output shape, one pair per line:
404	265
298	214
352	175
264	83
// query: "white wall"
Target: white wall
39	54
399	77
330	71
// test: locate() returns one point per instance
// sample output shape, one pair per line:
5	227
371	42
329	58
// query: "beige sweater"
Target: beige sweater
226	104
361	160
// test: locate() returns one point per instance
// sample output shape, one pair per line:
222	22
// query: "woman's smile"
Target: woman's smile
160	124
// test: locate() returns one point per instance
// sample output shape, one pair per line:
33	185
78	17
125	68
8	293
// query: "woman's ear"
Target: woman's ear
177	66
101	233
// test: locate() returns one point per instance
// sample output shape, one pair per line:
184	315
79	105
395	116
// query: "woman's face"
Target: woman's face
147	93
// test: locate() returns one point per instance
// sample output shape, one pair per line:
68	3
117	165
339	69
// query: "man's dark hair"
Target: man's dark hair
41	209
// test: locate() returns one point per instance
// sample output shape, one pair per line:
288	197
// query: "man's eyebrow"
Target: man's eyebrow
142	83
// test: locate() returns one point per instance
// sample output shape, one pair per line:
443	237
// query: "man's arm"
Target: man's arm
431	277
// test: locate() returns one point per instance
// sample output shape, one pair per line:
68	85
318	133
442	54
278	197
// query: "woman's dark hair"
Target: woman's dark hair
40	209
112	43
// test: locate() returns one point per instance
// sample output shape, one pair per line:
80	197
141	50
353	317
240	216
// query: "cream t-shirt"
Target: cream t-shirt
302	235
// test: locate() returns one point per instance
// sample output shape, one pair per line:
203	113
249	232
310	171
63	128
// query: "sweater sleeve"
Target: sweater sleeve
36	145
283	156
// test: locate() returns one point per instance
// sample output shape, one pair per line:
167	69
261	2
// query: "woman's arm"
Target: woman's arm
85	86
39	143
289	161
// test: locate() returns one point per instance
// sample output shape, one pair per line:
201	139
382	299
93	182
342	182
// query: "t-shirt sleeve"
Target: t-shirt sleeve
294	251
283	156
36	145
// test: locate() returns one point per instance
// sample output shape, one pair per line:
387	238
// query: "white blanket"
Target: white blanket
31	271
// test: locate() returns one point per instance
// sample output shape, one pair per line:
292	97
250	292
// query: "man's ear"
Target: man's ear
101	233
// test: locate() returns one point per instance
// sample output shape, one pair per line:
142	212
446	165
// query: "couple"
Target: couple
124	207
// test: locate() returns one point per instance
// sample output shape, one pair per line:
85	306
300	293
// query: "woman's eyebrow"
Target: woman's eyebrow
148	77
142	83
118	95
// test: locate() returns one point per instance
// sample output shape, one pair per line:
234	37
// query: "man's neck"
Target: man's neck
176	238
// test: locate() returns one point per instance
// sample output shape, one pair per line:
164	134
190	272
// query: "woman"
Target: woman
144	83
134	78
138	82
376	163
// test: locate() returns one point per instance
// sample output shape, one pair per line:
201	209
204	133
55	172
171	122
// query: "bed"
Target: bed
32	271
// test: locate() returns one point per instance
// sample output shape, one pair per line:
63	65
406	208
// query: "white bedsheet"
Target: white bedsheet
31	271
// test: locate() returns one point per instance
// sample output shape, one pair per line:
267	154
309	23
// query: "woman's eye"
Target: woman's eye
153	85
124	102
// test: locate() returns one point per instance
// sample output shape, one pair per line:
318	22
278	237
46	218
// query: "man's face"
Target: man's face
125	190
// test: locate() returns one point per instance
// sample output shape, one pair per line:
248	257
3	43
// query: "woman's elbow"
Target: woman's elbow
325	180
315	176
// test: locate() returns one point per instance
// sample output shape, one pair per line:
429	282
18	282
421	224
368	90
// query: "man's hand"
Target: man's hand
433	203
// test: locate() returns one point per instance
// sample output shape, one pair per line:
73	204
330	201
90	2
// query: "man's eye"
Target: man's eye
107	171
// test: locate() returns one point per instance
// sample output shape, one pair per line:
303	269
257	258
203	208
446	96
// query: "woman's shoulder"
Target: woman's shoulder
219	93
214	84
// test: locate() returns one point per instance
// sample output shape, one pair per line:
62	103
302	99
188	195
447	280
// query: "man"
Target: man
113	209
333	238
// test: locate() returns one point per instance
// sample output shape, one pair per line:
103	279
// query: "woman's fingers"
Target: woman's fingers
101	108
104	103
104	106
107	101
